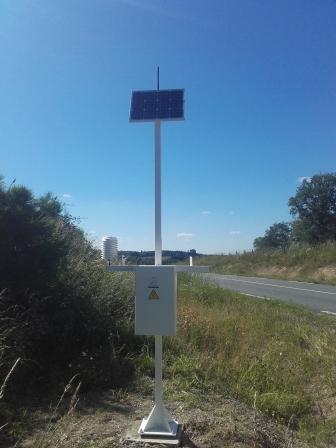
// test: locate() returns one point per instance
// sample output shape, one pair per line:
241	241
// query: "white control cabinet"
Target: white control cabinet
155	300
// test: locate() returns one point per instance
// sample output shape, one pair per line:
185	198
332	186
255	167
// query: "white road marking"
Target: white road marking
328	312
279	286
268	298
253	295
290	281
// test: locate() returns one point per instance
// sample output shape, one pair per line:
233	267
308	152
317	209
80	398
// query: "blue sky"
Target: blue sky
260	107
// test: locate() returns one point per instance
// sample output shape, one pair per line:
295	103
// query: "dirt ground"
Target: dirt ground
101	421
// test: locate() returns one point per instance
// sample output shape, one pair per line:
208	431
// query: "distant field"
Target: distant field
314	264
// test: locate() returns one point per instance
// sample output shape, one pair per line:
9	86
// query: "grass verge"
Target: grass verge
299	262
280	357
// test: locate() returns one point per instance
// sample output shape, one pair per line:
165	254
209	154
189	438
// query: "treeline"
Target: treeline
61	313
313	209
168	256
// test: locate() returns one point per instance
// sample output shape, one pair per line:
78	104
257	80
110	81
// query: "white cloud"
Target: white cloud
302	178
185	235
67	196
235	232
206	212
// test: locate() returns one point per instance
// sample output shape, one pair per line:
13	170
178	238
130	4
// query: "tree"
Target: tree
276	237
31	240
260	243
314	209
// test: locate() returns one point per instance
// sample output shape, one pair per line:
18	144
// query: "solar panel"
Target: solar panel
151	105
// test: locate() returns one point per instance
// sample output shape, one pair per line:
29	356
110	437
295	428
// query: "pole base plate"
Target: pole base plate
159	423
173	425
163	438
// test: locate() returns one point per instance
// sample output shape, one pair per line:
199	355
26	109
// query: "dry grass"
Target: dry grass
299	262
7	378
51	431
104	422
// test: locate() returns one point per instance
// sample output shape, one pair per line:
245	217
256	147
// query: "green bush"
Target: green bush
60	311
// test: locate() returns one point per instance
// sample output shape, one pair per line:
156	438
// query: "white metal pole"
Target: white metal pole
158	255
158	238
158	370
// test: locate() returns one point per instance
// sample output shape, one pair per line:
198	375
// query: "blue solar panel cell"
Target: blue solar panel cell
154	105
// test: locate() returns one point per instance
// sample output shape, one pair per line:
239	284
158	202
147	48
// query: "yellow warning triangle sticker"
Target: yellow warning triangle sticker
153	295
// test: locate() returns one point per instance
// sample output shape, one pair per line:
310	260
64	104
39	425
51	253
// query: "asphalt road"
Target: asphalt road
317	297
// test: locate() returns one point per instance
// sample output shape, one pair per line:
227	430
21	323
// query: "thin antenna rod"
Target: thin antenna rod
158	78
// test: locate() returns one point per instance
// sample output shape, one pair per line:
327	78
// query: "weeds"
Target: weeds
6	416
5	382
43	439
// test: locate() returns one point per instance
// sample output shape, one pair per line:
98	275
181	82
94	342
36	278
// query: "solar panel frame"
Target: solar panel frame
153	105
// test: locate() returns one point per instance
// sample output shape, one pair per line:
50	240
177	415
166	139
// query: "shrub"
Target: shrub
60	311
